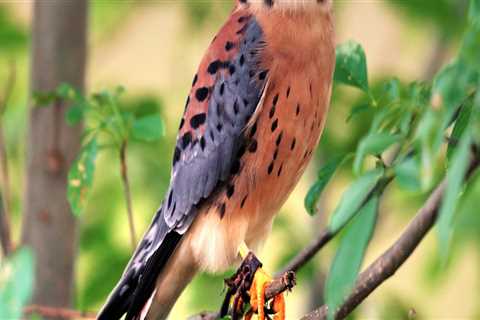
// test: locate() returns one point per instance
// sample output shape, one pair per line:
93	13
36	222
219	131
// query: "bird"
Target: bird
253	117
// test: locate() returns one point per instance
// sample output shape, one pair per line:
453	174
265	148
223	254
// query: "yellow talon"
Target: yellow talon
260	281
257	297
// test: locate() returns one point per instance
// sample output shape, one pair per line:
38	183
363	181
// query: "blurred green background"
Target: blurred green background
152	48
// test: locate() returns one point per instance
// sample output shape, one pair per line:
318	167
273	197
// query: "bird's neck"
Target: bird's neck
297	36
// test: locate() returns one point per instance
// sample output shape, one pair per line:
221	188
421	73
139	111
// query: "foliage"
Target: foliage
12	37
351	65
349	256
404	143
323	177
16	281
107	126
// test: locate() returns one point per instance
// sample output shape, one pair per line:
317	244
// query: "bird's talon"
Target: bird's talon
249	284
257	292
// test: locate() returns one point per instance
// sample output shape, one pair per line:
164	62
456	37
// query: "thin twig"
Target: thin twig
389	262
126	190
5	228
279	285
326	235
53	312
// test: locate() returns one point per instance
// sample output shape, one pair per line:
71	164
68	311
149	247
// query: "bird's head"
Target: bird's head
289	5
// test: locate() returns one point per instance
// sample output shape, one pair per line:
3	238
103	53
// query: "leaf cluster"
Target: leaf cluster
106	126
416	127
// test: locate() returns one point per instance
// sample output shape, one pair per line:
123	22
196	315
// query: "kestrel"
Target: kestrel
254	115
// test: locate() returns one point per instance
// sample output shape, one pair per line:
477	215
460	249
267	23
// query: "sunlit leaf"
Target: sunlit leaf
324	176
373	144
354	198
74	114
80	177
452	84
148	128
455	175
348	259
16	282
407	174
351	65
356	110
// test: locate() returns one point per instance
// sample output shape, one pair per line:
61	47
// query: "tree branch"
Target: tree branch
280	284
389	262
326	235
62	313
126	190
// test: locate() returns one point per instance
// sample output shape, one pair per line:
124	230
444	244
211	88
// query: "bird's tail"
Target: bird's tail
137	283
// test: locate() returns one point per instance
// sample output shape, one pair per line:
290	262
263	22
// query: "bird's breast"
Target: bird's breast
279	143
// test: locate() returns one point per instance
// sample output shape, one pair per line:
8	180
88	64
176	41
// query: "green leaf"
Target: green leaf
474	13
356	110
393	89
459	128
324	176
16	282
43	99
353	199
351	65
148	128
429	139
74	114
455	176
65	91
471	48
80	177
349	257
452	84
373	144
467	218
408	174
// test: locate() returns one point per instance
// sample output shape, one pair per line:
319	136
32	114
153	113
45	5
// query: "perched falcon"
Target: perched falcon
254	115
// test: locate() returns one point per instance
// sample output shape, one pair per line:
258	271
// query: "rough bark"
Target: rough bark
59	42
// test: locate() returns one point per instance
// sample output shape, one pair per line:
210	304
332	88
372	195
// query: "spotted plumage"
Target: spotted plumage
254	114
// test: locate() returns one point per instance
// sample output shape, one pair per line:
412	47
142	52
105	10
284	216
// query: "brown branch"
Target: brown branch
389	262
279	285
126	190
326	235
62	313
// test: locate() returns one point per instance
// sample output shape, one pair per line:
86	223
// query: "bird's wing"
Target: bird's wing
225	94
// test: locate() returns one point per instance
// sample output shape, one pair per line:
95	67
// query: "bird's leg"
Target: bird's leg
255	283
240	283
